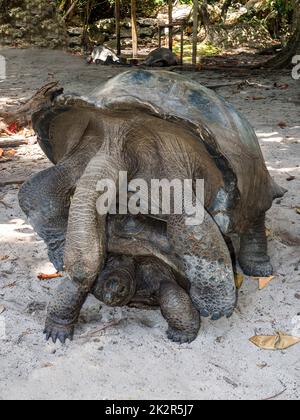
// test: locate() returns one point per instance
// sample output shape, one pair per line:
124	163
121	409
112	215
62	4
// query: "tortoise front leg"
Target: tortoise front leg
63	311
206	263
253	257
157	282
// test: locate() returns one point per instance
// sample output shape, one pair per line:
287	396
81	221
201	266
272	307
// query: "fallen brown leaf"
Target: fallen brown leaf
280	341
239	280
4	257
42	276
268	232
47	365
297	210
281	85
2	309
282	125
10	152
10	286
264	281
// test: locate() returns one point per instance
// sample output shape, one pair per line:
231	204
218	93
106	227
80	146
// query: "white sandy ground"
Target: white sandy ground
132	358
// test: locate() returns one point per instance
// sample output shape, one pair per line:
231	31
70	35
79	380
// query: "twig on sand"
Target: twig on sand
259	85
43	276
12	182
240	83
12	142
103	328
276	395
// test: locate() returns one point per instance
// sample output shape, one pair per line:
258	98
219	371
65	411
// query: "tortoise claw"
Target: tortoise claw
59	332
181	337
257	269
215	316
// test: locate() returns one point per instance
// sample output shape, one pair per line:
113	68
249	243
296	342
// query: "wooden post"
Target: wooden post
159	36
181	45
118	26
195	30
134	29
170	3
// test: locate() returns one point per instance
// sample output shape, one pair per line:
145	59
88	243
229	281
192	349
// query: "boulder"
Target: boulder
145	22
147	32
75	31
32	23
106	25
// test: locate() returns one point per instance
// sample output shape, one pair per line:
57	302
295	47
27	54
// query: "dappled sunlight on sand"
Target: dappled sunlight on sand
284	170
17	231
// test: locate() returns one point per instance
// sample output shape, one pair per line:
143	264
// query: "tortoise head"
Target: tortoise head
116	286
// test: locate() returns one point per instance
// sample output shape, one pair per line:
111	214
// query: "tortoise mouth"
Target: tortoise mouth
118	289
115	296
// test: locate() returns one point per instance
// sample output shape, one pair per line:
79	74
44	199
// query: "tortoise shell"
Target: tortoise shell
228	136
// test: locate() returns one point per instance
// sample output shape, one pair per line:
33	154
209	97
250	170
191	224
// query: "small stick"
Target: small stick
11	142
12	182
42	276
276	395
103	328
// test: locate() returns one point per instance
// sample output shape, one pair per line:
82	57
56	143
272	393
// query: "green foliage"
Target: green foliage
203	50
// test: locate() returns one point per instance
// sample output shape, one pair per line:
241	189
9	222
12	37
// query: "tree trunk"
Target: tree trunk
205	14
170	2
285	57
225	9
71	9
134	29
195	31
118	26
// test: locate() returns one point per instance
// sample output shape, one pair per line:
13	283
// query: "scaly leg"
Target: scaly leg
253	257
178	310
45	199
63	311
207	265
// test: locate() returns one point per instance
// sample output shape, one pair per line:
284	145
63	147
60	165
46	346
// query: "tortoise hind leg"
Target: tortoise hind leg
45	199
253	257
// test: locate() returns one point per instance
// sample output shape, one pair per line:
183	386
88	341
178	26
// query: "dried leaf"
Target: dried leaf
282	125
268	232
264	281
239	280
281	85
280	341
13	128
47	365
2	309
297	210
10	152
4	257
42	276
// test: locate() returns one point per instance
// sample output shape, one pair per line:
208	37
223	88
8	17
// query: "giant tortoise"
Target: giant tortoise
150	124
